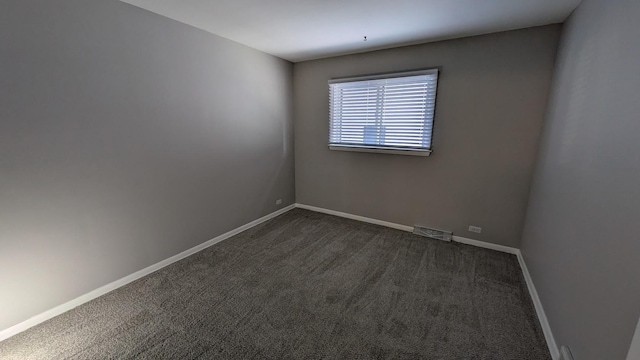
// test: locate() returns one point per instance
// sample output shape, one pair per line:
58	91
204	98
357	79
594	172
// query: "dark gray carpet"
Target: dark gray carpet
307	286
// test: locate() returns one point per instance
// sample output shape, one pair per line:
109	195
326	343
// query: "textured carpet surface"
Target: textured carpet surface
307	286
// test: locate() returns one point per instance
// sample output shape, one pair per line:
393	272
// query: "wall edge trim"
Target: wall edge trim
486	245
537	304
533	293
60	309
69	305
355	217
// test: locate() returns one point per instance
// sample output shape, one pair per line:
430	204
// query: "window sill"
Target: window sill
396	151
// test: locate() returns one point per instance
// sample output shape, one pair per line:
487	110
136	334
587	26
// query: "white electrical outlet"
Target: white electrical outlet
475	229
279	201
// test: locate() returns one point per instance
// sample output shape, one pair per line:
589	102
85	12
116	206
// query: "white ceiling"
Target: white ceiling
299	30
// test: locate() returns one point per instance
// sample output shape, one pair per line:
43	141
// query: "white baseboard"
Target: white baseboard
542	317
486	245
459	239
544	322
58	310
16	329
634	349
356	217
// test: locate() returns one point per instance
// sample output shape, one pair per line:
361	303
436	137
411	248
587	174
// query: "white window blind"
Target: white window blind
390	113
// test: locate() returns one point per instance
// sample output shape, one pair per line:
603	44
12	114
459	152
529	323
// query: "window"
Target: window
391	113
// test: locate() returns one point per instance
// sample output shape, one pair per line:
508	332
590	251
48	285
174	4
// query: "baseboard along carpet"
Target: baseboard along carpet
306	285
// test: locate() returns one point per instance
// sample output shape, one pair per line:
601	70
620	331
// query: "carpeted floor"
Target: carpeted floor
307	286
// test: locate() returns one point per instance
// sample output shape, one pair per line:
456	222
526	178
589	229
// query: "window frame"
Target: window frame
399	150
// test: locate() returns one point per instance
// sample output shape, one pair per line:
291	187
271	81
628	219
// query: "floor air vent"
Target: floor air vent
432	233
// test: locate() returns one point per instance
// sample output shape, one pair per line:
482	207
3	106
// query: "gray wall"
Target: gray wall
492	97
126	138
581	235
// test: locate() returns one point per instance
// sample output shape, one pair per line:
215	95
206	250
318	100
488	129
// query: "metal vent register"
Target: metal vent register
432	233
